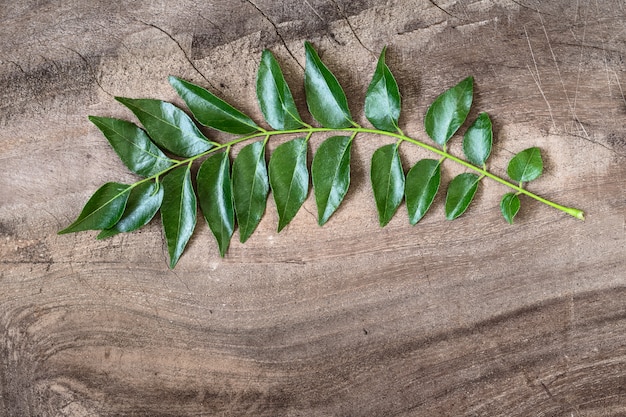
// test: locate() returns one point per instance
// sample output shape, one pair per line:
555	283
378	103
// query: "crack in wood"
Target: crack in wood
345	18
280	36
182	50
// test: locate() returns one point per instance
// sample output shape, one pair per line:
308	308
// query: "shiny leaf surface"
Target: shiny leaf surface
133	146
449	111
324	96
168	126
250	188
330	172
178	211
509	206
212	111
143	203
387	181
274	95
289	179
461	191
382	101
478	140
103	209
526	165
215	198
422	184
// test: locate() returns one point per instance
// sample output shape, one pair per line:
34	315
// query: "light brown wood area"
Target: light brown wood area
466	318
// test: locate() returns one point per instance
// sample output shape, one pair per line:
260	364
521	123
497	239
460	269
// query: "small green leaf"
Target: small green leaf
461	191
478	139
133	146
143	203
422	184
178	211
103	209
289	179
324	96
211	110
387	181
274	96
382	101
509	206
216	200
250	187
449	111
526	165
330	172
168	126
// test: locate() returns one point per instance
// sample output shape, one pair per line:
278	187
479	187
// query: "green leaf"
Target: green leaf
387	181
461	191
509	206
449	111
211	110
133	146
330	172
103	209
324	96
289	179
526	165
382	101
250	187
216	200
422	184
274	96
143	203
168	126
478	139
178	211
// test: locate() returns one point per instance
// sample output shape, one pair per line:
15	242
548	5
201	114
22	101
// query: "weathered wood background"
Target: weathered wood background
464	318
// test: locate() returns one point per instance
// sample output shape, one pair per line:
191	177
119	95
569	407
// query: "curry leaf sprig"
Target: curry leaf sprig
164	151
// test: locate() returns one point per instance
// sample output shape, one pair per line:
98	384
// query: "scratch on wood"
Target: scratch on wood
558	71
537	79
314	11
620	86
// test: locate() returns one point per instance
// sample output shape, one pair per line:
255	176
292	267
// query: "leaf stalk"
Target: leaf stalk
309	131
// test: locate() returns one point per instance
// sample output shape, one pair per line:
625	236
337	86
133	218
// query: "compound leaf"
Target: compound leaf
212	111
133	146
509	206
250	187
289	179
324	96
215	197
178	211
449	111
168	126
387	181
330	172
103	209
526	165
274	95
478	140
422	184
461	191
382	101
143	203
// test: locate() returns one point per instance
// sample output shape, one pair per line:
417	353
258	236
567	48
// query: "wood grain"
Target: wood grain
464	318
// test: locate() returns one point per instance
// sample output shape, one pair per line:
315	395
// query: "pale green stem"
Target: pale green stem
579	214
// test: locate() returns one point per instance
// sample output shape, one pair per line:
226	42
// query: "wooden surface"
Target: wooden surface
464	318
